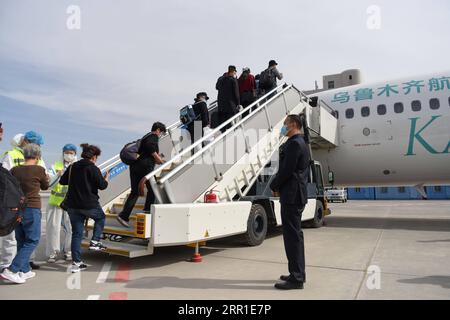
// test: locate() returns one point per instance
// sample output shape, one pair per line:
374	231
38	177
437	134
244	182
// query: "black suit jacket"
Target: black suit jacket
228	97
292	177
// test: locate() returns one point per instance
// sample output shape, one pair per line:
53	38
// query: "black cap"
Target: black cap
232	68
202	94
272	63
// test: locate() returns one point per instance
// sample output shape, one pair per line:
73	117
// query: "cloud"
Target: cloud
136	62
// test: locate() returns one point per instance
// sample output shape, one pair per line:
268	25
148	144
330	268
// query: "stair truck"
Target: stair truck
219	189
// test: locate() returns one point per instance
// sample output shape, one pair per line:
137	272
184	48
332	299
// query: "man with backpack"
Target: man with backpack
147	156
268	78
196	126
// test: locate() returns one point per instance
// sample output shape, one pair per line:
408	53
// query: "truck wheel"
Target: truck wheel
319	217
256	226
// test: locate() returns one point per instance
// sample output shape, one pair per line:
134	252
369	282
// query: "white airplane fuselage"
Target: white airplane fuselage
399	133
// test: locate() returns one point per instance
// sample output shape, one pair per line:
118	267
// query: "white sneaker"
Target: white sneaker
96	246
28	275
11	276
77	267
68	256
52	258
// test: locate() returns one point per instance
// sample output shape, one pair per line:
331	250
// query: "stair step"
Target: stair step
121	231
121	205
122	249
117	208
112	226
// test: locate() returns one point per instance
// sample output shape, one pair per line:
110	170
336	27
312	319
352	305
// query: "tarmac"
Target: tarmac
366	250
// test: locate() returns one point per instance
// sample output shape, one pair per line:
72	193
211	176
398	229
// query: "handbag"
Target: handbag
63	204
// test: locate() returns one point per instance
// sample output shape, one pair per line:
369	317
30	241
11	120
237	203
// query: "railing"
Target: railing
326	106
119	183
162	179
114	161
212	134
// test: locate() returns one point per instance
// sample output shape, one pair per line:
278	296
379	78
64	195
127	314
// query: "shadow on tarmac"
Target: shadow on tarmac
442	281
411	224
179	283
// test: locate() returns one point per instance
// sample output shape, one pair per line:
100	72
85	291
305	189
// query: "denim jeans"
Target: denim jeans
28	233
77	219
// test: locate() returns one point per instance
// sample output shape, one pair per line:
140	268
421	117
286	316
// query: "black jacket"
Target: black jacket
228	97
292	177
85	181
201	113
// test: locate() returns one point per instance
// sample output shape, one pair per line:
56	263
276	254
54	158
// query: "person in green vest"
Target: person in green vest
11	159
57	217
14	157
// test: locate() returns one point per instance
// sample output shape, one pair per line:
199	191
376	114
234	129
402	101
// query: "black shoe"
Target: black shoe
287	278
289	285
123	222
34	266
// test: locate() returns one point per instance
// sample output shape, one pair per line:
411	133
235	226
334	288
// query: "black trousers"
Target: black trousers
191	128
224	117
247	100
137	172
291	217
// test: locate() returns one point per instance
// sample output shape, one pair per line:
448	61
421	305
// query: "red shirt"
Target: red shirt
247	84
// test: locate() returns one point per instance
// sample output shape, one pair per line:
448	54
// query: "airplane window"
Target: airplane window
416	106
398	107
435	104
382	109
349	113
365	112
449	101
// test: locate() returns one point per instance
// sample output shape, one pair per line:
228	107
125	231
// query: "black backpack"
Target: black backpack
130	152
267	79
12	200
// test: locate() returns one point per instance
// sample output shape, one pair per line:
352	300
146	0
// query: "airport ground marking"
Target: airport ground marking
104	273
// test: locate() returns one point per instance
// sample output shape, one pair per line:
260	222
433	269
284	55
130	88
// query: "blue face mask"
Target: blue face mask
284	131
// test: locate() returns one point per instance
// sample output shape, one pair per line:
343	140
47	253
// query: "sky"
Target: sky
133	62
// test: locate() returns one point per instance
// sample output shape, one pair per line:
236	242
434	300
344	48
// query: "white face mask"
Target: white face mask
70	157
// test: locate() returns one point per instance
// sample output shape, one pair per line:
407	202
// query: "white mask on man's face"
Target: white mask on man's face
70	157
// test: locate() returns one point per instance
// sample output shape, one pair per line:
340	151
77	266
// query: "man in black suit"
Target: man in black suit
228	99
291	184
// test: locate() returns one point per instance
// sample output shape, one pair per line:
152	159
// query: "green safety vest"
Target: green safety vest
58	192
17	157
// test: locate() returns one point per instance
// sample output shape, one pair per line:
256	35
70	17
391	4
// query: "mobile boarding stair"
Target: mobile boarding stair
229	164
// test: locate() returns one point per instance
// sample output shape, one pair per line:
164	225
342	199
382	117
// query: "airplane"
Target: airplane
393	133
